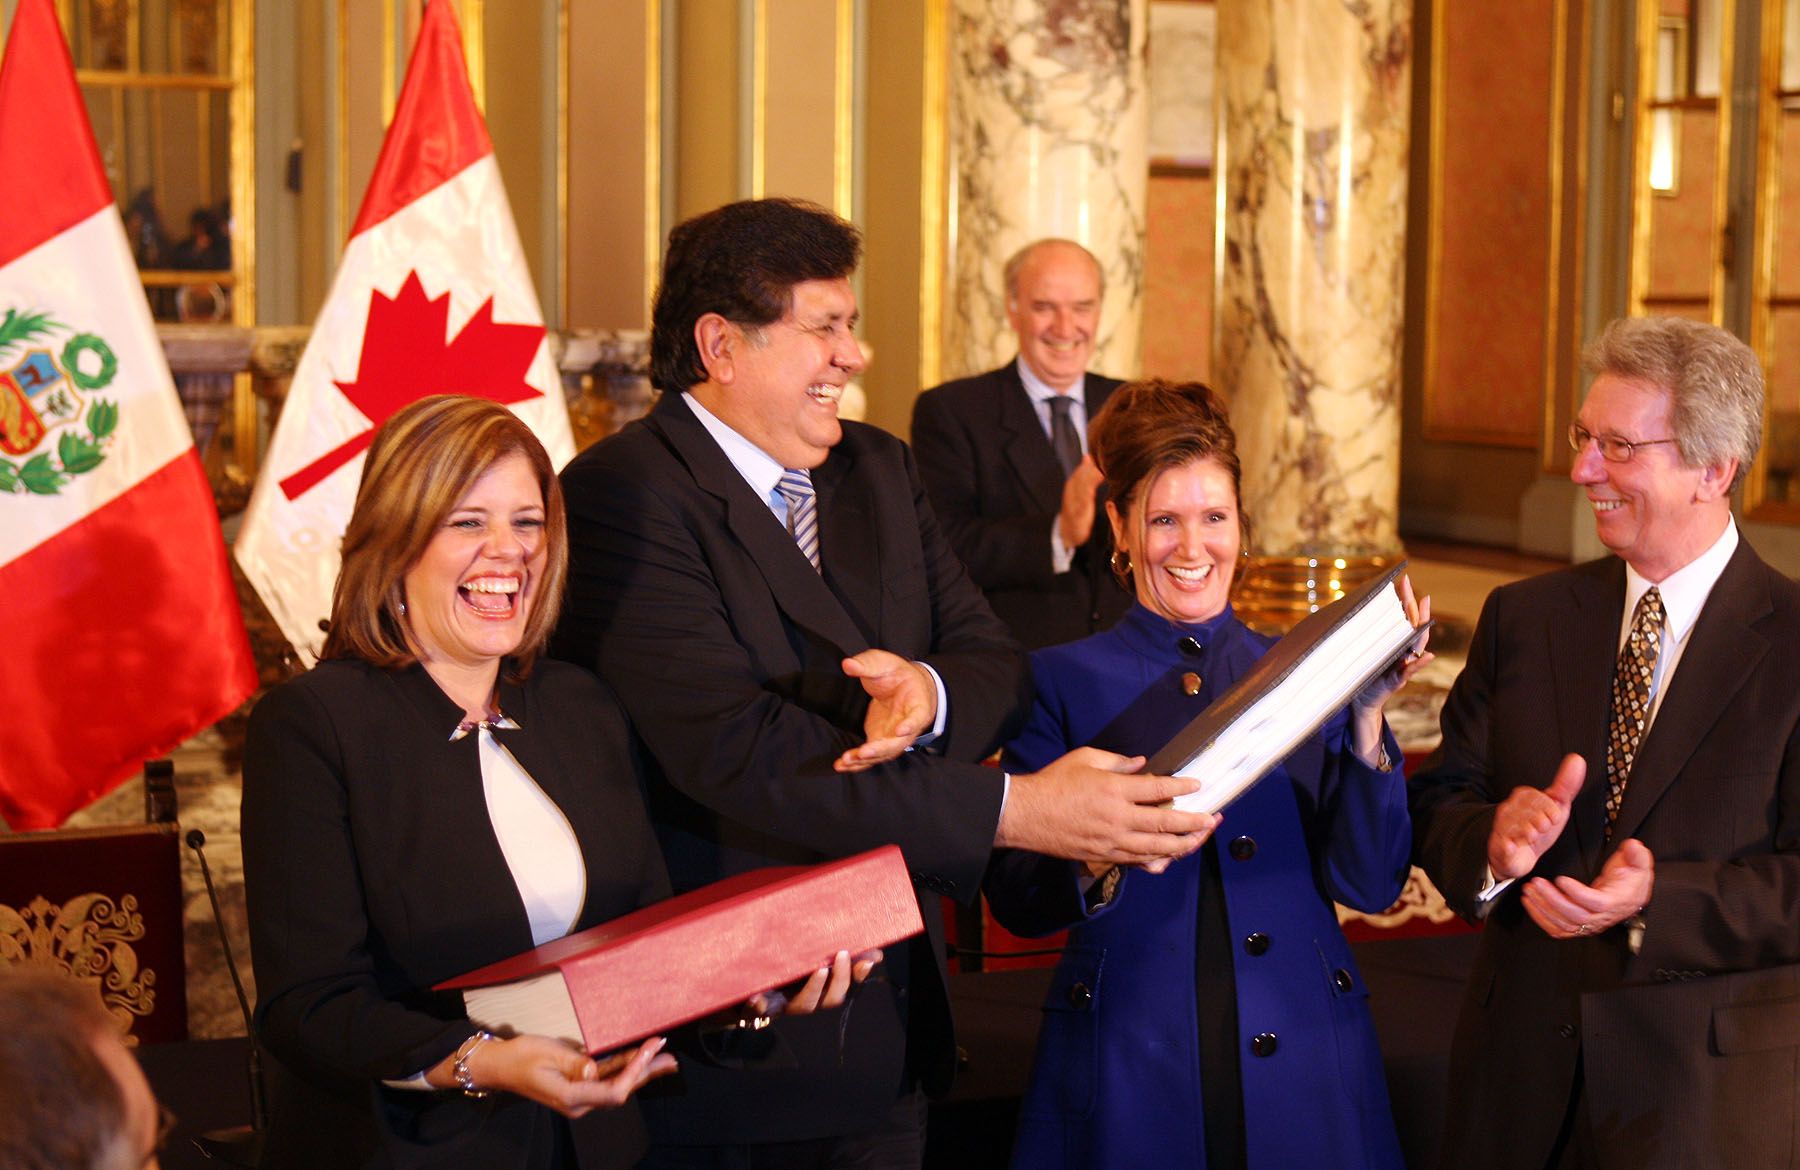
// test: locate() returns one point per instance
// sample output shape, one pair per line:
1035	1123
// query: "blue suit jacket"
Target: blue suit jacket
1116	1082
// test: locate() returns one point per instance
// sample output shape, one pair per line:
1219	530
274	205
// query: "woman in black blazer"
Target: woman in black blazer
434	797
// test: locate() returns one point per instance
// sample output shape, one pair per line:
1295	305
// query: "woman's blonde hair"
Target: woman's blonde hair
422	462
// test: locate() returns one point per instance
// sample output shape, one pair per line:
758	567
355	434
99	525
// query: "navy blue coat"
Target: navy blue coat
1116	1081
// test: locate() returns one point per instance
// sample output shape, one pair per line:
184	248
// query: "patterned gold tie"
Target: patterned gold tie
1631	699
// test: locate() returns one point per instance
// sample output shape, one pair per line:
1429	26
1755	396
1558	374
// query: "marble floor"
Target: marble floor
208	781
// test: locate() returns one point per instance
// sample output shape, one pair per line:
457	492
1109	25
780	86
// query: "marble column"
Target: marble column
1313	161
1048	133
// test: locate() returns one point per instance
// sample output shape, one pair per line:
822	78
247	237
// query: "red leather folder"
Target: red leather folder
699	952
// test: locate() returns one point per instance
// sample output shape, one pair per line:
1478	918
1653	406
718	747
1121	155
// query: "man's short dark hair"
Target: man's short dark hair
742	262
62	1108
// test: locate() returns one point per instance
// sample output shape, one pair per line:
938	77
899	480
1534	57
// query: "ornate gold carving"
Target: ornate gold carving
88	937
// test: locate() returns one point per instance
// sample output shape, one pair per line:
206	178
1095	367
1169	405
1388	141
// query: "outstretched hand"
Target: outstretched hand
557	1074
824	989
1090	806
1530	820
1566	908
1380	689
902	707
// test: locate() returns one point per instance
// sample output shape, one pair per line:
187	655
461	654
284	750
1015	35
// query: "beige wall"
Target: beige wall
613	218
894	315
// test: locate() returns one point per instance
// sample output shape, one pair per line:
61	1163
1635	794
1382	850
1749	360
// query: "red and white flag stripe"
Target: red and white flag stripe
432	296
123	632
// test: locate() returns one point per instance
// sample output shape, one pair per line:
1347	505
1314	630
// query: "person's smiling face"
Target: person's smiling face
1183	538
1652	510
780	385
1055	310
468	597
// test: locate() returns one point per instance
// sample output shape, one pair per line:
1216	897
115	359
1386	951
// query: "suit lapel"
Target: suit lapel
1095	390
1583	648
796	587
1025	445
1722	651
849	542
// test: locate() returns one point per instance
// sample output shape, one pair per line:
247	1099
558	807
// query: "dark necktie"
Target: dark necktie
802	512
1063	438
1631	699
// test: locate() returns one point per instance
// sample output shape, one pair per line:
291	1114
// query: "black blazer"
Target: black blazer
1689	1048
997	487
690	598
372	872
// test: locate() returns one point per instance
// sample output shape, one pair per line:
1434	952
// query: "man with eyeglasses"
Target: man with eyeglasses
1618	796
72	1096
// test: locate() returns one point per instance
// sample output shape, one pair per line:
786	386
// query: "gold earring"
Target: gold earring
1120	570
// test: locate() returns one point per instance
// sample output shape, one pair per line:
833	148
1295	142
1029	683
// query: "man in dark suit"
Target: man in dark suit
1004	457
811	673
1636	997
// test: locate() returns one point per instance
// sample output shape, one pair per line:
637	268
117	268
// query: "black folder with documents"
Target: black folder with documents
1291	692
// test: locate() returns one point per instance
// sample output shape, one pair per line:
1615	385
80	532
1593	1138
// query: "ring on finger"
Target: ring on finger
1583	928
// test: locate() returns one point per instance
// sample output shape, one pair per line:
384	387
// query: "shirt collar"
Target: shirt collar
1041	391
758	467
498	721
1685	590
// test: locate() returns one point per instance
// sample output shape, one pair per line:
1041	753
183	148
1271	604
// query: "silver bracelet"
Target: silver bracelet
459	1064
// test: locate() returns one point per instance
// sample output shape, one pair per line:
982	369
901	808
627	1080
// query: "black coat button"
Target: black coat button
1243	848
1257	943
1189	646
1341	979
1263	1044
1567	1031
1080	996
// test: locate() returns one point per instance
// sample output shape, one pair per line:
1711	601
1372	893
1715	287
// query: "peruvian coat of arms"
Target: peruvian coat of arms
53	425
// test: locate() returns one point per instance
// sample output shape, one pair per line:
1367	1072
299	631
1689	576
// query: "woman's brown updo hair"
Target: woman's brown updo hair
1150	426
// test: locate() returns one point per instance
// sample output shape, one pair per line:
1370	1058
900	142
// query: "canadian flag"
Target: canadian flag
432	296
123	634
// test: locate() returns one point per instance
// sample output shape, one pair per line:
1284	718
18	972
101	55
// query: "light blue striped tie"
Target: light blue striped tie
803	512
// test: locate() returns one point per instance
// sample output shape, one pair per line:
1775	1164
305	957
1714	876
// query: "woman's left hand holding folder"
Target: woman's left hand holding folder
554	1073
1366	707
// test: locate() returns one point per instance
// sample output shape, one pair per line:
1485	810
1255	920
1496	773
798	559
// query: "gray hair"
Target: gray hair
63	1109
1015	263
1714	382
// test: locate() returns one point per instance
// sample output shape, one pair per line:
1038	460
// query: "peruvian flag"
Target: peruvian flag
432	296
123	635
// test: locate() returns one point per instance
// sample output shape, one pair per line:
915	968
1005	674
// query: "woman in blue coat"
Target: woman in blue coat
1209	1015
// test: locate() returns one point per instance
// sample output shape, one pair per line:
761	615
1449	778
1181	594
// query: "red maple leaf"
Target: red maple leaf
405	357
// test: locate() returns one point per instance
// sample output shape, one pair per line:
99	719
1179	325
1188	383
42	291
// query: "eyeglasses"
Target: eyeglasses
1613	449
